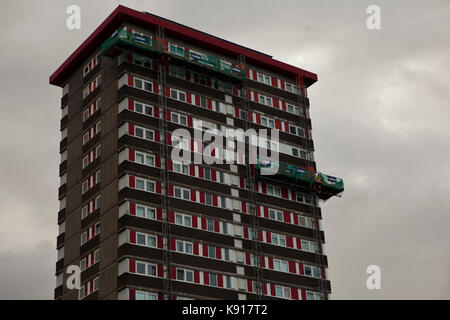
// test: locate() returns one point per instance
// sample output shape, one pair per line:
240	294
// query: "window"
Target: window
213	279
140	239
98	202
185	275
143	133
203	102
179	118
313	296
210	224
142	295
83	238
145	159
264	121
84	212
225	203
143	84
293	109
208	198
289	87
226	254
227	281
182	193
286	292
275	215
98	127
177	50
225	227
180	168
279	291
274	191
180	274
85	138
97	229
184	246
264	79
85	115
96	256
93	108
143	108
178	95
189	276
144	239
90	233
265	100
278	239
145	268
282	240
183	219
142	61
98	176
303	198
145	212
92	86
98	151
280	265
140	268
177	72
91	207
145	185
96	284
277	264
179	142
308	271
83	264
300	153
91	65
91	259
309	246
89	288
84	187
306	222
202	79
267	122
211	252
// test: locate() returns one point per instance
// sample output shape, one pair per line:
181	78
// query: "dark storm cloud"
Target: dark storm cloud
380	114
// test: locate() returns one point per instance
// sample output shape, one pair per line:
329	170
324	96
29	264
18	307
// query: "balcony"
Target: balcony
122	40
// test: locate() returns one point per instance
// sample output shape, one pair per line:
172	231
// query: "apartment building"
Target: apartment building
143	226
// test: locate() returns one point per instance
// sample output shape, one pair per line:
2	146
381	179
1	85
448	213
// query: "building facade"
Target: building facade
143	226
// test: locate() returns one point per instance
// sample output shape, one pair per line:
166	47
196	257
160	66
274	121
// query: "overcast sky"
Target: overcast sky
380	113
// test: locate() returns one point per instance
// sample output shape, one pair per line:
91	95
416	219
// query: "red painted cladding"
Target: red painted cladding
132	266
294	293
196	248
132	236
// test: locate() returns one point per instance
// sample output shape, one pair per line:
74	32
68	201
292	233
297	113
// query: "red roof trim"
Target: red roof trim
122	14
